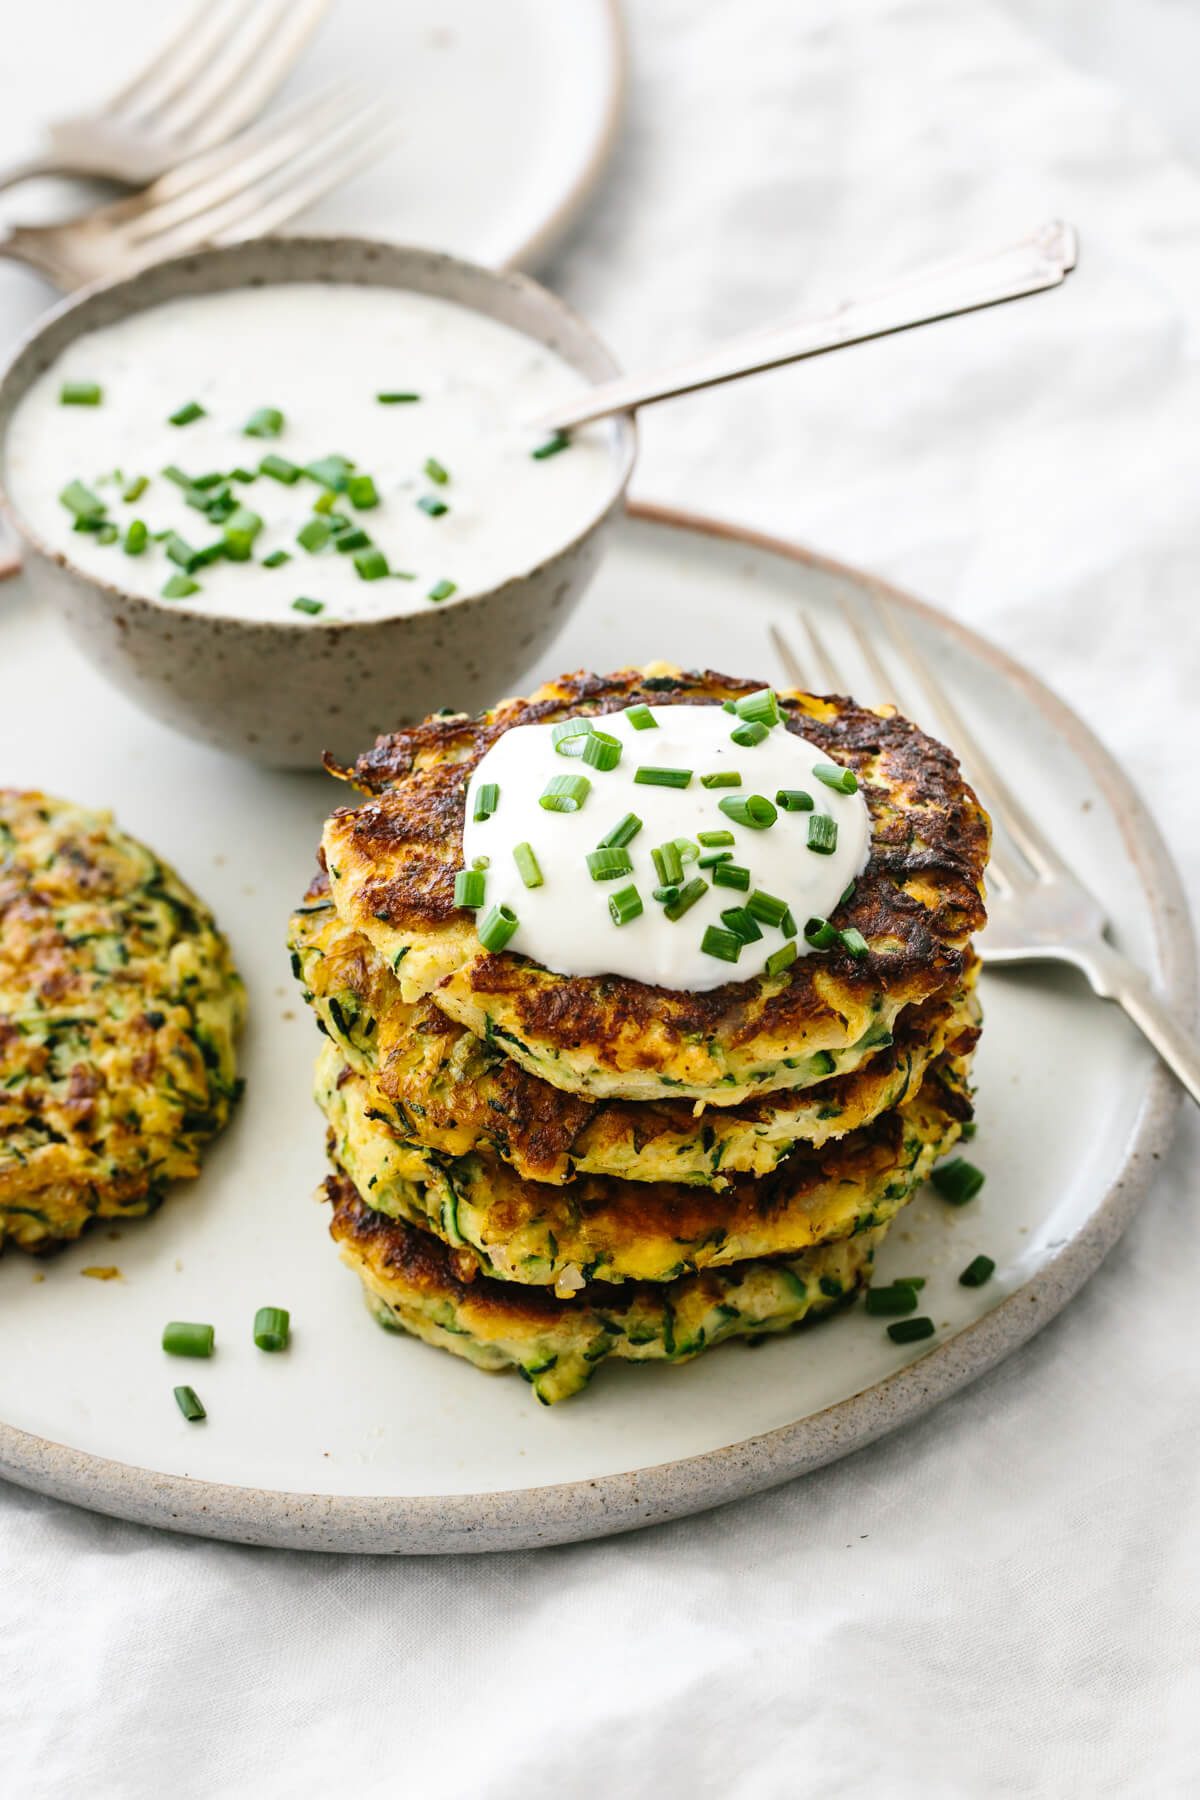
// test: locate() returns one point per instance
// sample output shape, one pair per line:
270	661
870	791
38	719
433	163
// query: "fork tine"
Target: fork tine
788	658
823	662
885	687
299	194
237	84
1001	800
201	35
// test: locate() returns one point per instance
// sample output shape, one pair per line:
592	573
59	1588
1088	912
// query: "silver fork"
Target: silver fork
241	190
1038	911
216	72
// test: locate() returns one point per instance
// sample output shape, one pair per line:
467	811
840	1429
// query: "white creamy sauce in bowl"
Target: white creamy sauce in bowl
318	355
565	922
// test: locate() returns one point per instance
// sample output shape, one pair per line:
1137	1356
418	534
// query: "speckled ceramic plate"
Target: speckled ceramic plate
355	1440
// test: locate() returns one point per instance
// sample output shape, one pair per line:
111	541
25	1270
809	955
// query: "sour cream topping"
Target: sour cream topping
565	923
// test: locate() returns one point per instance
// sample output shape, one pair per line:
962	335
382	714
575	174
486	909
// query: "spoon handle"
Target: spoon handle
1041	260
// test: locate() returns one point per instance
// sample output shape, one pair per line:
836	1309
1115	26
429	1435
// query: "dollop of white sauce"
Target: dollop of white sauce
319	354
565	924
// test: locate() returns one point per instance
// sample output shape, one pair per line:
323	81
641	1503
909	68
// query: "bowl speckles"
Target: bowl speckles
282	692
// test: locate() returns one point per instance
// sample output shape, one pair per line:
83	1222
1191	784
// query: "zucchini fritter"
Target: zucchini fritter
600	1228
453	1093
411	1285
119	1006
391	865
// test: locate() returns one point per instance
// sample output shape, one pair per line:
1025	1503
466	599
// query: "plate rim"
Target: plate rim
566	1512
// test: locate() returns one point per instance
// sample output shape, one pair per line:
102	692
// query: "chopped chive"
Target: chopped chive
325	504
178	549
731	875
190	1404
481	862
843	781
136	488
90	522
487	799
891	1302
107	534
606	865
570	735
709	838
688	852
240	474
185	415
219	507
81	501
303	604
794	800
212	479
241	529
527	865
728	706
601	750
280	469
441	590
967	1130
686	899
822	834
624	905
669	778
622	833
272	1327
713	858
80	393
668	865
470	886
916	1282
957	1180
761	708
276	559
742	923
820	933
853	943
178	587
314	536
565	793
752	810
779	959
499	925
435	471
665	895
746	736
371	564
331	471
910	1331
788	924
397	399
725	945
848	894
267	422
135	537
767	908
429	503
349	541
722	778
174	473
361	492
981	1269
181	1337
641	718
558	441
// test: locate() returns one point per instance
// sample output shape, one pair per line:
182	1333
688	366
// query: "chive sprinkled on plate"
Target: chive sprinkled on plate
135	489
842	781
725	945
186	414
722	778
754	811
81	501
565	793
331	471
272	1327
528	867
470	886
441	590
80	393
190	1404
761	707
303	604
822	834
731	875
498	927
686	898
607	865
711	838
668	864
361	492
487	799
314	535
712	858
779	959
891	1302
436	472
267	422
276	559
280	469
178	549
184	1337
136	536
371	563
601	750
569	736
346	542
553	444
431	504
625	905
178	587
820	934
622	833
746	736
741	921
767	907
910	1331
853	943
794	800
957	1180
390	399
648	776
241	528
641	718
107	533
977	1271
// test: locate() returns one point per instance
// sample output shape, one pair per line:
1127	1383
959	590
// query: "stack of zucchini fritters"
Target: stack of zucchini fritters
537	1171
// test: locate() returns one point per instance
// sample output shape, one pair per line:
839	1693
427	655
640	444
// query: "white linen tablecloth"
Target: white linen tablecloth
1002	1599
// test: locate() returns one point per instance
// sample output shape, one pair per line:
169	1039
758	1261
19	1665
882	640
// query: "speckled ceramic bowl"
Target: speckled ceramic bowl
282	692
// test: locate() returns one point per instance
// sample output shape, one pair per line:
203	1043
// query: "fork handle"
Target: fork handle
1114	977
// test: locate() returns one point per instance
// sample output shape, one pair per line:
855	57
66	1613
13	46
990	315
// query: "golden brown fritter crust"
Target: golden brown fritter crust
392	864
